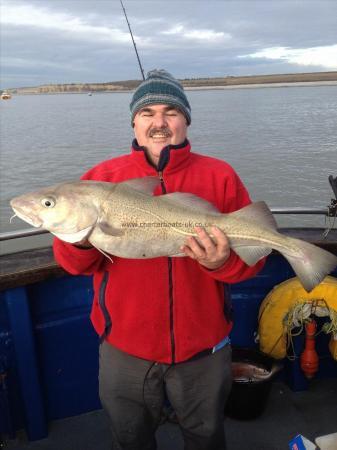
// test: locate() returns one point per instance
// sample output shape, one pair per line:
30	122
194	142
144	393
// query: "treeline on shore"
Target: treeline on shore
127	85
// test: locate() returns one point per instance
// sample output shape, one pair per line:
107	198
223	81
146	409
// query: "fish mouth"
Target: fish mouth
34	221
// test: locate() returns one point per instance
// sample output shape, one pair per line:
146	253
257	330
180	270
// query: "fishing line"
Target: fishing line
133	41
14	215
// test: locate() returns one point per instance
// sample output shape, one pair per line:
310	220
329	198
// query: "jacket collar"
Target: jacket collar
172	157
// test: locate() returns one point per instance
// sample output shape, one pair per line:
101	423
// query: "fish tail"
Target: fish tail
310	263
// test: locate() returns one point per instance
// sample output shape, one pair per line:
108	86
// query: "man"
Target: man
161	321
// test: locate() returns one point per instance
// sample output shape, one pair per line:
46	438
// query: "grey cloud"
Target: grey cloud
252	26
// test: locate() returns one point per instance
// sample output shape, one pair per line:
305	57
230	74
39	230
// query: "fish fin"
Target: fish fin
258	213
190	201
310	263
73	237
103	253
109	229
146	185
251	254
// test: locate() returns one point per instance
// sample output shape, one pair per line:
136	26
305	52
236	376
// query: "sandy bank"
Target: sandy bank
264	85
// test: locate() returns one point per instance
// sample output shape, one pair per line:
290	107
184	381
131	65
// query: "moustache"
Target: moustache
166	131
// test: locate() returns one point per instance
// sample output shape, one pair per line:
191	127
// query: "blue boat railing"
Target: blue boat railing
22	233
6	236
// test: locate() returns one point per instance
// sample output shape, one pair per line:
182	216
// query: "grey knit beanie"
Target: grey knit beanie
160	88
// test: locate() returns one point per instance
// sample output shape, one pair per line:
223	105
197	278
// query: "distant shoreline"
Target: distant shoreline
256	81
200	88
264	85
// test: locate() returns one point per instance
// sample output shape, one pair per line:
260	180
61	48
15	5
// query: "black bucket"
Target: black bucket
248	397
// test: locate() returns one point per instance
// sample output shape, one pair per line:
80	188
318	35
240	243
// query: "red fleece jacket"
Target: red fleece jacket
162	309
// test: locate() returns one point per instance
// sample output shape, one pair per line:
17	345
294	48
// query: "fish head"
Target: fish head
65	209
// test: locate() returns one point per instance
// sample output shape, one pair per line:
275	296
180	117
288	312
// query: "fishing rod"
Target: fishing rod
134	44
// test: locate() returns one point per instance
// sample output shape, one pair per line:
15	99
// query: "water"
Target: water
281	141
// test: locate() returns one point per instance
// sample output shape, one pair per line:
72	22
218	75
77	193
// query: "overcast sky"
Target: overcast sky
69	41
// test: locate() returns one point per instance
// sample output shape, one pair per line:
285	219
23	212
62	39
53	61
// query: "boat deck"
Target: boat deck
312	413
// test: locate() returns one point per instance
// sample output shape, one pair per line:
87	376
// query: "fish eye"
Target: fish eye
48	202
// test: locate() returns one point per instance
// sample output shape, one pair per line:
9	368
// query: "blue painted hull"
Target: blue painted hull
48	348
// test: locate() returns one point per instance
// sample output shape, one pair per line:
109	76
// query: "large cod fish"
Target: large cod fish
125	219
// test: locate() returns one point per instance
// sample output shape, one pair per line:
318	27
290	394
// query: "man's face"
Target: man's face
157	126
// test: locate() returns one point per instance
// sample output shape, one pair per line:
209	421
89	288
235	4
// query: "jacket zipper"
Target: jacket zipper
170	279
101	302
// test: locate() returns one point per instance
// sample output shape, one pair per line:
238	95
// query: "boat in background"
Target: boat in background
5	95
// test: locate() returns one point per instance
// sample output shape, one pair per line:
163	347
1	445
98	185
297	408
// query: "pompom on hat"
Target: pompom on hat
160	87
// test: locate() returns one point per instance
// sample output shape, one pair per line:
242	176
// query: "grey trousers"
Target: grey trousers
132	392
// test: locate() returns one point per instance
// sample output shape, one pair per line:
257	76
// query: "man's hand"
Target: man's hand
211	252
